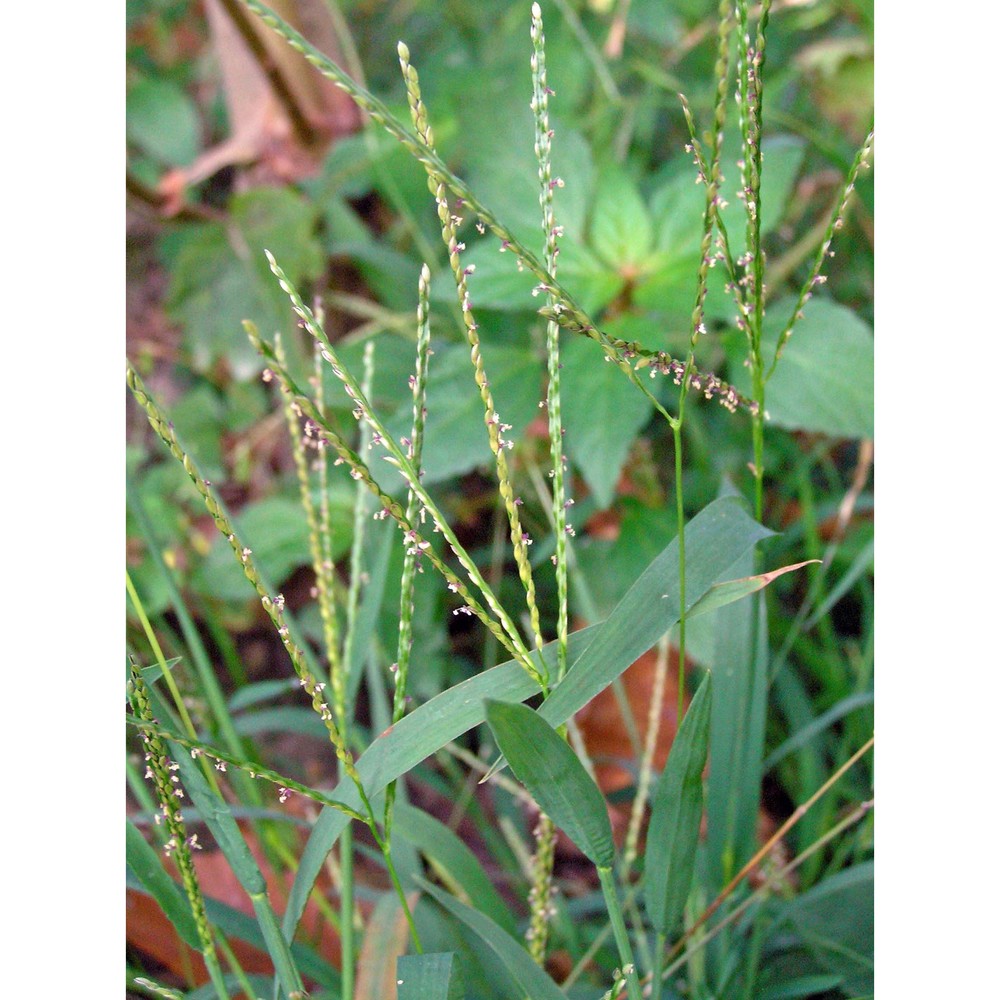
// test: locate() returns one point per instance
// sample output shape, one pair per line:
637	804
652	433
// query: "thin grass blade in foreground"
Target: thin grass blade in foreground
544	763
429	977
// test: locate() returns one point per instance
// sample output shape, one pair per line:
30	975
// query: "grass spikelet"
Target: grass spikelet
495	427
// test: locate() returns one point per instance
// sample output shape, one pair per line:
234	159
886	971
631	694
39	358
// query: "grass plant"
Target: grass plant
743	593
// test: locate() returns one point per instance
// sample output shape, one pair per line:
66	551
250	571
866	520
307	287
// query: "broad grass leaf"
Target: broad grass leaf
437	976
675	821
717	538
530	978
453	862
547	766
148	869
602	413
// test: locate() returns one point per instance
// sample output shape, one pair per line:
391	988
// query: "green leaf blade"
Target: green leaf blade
521	966
429	977
147	868
716	538
546	765
675	820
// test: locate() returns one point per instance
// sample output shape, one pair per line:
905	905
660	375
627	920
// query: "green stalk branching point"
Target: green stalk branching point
495	427
224	760
160	771
168	676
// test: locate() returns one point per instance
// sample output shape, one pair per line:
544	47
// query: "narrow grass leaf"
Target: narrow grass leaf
732	590
739	676
802	986
807	733
260	984
452	860
716	538
237	924
546	765
429	977
148	869
861	563
675	821
519	964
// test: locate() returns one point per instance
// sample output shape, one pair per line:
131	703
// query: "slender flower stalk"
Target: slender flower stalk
398	459
389	507
709	173
418	383
315	522
496	429
836	222
160	770
540	900
566	312
415	452
274	608
366	442
547	186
